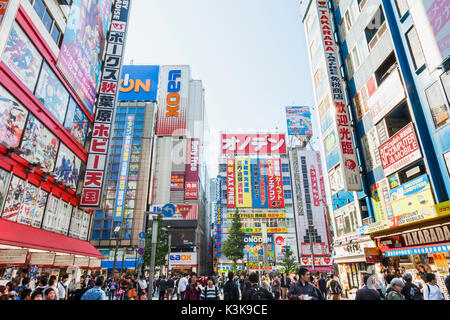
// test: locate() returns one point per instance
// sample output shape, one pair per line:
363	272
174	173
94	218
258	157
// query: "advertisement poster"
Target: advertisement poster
218	209
3	6
14	199
330	142
81	54
76	122
253	144
275	183
259	183
177	181
299	121
67	167
52	94
378	202
39	145
28	205
21	57
50	222
231	184
39	209
12	120
243	183
184	212
139	83
253	250
282	242
192	167
4	184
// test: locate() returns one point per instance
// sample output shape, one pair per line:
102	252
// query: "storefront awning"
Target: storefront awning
18	235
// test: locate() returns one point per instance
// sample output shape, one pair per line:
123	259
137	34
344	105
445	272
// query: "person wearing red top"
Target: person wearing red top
203	281
193	290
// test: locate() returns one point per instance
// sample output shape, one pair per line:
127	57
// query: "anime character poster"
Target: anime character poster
52	93
14	199
39	145
3	6
4	181
21	57
39	209
81	52
12	120
67	167
76	122
28	205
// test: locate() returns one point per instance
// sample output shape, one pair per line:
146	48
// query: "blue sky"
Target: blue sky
250	54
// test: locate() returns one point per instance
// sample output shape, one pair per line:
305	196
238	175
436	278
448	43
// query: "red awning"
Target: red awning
18	235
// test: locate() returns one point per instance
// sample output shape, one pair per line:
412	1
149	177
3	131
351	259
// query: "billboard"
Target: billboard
67	167
12	119
243	183
342	120
173	100
139	83
259	183
123	173
184	212
299	121
219	216
91	194
282	242
275	183
253	144
400	151
21	57
39	145
177	181
52	94
80	57
192	167
231	184
76	122
253	250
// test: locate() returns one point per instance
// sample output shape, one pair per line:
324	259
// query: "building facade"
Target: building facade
390	60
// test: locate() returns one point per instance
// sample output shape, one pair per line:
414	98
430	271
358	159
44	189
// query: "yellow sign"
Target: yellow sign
440	260
243	183
443	209
259	230
257	215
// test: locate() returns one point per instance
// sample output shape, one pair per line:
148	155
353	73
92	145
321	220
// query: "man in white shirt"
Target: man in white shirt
431	291
182	284
63	287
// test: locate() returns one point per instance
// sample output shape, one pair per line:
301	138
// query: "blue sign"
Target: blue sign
123	174
140	251
259	183
219	216
142	235
139	83
169	210
420	250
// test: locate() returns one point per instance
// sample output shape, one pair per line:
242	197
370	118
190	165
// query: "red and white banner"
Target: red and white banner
253	144
173	100
400	151
192	166
184	212
317	261
275	183
315	187
231	184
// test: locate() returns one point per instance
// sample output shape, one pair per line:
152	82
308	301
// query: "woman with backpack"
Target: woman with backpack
431	291
410	291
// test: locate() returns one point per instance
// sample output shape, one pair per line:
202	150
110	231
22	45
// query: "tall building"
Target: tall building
256	182
49	77
380	70
127	185
178	170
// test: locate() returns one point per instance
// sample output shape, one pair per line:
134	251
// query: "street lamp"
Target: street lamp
116	232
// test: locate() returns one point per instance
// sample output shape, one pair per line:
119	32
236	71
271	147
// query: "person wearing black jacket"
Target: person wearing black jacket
285	284
256	292
170	288
368	291
230	289
322	285
162	287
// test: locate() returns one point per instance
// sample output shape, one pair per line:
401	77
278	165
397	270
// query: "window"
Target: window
287	194
376	28
415	48
349	63
285	167
286	181
402	7
438	107
445	78
47	19
342	30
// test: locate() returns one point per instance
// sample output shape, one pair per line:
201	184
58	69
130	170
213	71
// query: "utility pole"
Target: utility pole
168	255
117	233
153	255
265	240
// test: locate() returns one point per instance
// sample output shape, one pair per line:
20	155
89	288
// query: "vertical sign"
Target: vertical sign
191	177
314	186
346	148
259	184
106	103
243	183
231	185
275	183
123	173
3	5
219	216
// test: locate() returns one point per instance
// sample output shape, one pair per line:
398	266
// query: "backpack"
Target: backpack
229	290
257	293
414	293
335	287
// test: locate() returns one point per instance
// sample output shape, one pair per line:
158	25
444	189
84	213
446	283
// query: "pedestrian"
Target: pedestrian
410	291
63	288
52	284
230	289
71	289
264	283
394	289
182	285
162	288
241	283
447	282
322	284
203	281
193	290
276	288
37	295
170	288
368	291
130	290
96	293
25	285
285	284
4	293
303	289
142	288
255	292
49	294
422	273
334	288
25	294
431	291
419	282
210	291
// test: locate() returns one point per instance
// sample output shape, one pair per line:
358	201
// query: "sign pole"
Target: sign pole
153	256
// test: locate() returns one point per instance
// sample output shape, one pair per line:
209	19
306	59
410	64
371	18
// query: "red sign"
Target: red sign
400	151
184	212
253	144
275	183
315	187
191	177
231	187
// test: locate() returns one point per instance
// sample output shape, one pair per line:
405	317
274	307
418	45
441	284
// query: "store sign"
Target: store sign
91	195
42	259
347	154
420	250
434	235
257	215
275	183
440	260
177	181
231	184
318	248
183	259
443	209
317	262
400	151
299	121
173	100
95	263
139	83
219	216
16	258
184	212
119	206
259	230
253	144
243	183
254	248
192	167
259	184
64	261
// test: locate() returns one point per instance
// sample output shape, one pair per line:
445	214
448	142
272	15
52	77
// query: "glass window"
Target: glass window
138	133
140	110
131	110
98	214
106	235
445	78
107	224
438	107
402	6
95	235
139	118
415	48
39	7
356	60
363	48
137	142
122	118
126	234
47	20
97	224
349	63
139	126
55	33
121	125
285	167
223	168
286	181
123	111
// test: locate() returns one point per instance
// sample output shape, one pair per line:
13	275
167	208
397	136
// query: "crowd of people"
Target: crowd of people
301	286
